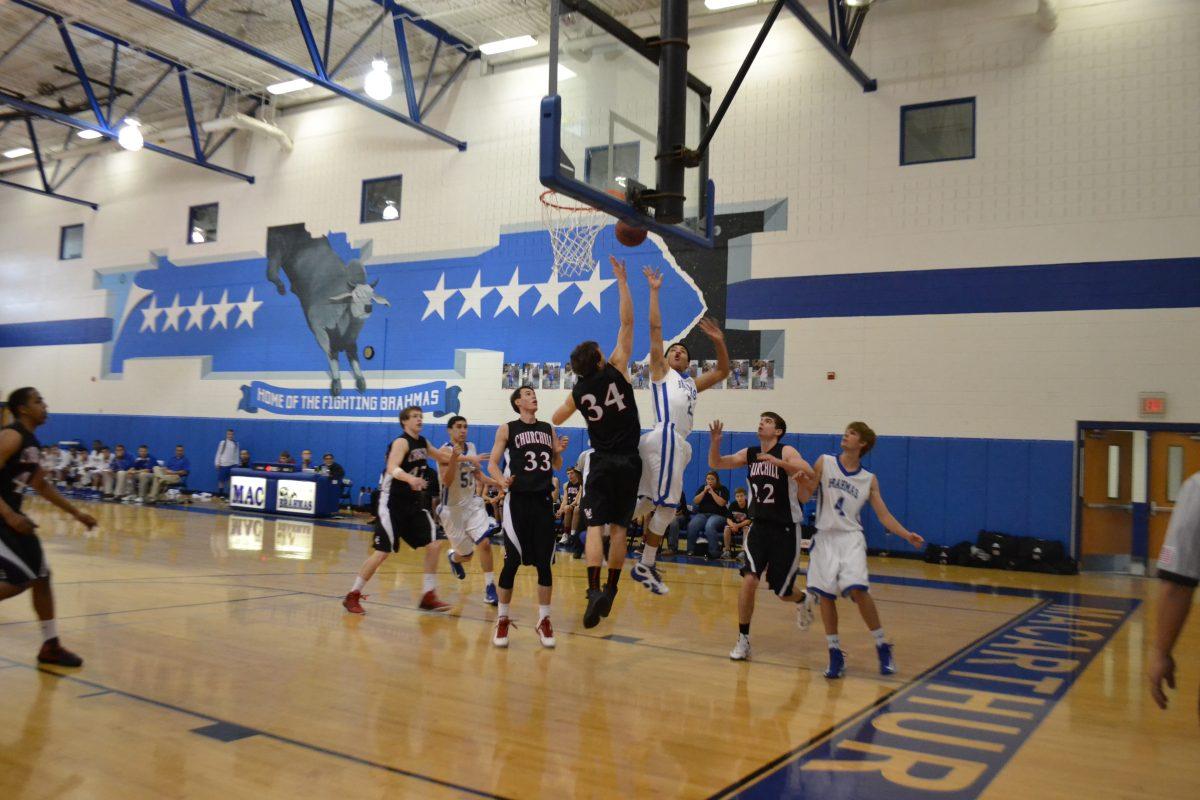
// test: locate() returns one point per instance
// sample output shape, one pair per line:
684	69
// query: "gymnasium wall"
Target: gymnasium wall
1081	205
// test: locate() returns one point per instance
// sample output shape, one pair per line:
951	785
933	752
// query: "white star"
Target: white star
473	298
246	309
510	295
591	289
196	313
150	316
437	298
549	291
221	312
173	312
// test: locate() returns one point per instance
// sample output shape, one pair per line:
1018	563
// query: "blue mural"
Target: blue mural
414	315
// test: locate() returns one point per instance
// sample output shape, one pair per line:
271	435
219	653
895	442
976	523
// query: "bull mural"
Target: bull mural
334	294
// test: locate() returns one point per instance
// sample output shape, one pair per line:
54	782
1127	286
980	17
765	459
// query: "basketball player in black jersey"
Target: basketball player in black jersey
604	397
773	542
533	452
403	514
22	564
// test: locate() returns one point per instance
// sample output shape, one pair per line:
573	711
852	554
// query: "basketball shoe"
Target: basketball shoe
837	664
545	632
54	653
352	602
648	576
500	637
741	650
887	664
430	602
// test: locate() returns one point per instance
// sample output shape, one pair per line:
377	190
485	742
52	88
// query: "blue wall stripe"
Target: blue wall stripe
944	489
57	331
1160	283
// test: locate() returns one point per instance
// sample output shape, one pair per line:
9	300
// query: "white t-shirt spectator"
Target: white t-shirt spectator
227	453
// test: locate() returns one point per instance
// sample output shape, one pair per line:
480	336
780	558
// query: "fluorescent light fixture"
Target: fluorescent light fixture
390	211
130	137
378	83
565	73
17	152
507	45
289	86
858	3
88	133
718	5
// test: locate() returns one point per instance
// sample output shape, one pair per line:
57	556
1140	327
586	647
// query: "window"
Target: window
202	224
1174	472
941	131
381	199
70	242
1114	472
598	171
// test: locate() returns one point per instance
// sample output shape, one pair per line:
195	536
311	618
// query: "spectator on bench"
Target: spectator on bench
119	468
141	473
306	463
737	523
174	473
709	519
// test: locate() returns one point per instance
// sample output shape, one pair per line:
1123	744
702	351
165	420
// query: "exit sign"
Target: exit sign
1152	404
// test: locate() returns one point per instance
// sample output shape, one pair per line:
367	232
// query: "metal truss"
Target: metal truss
844	27
320	74
96	114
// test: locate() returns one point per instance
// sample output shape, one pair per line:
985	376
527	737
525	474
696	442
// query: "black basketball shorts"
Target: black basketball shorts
21	558
411	524
610	488
528	527
773	548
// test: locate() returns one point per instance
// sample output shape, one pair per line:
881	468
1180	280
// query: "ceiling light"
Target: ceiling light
390	211
857	3
88	133
17	152
718	5
289	86
130	137
507	45
378	83
198	236
565	73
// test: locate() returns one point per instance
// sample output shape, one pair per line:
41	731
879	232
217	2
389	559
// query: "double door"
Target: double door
1129	481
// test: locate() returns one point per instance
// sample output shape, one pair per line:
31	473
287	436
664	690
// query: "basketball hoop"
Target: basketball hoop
573	227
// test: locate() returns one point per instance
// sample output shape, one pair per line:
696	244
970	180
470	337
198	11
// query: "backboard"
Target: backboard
600	122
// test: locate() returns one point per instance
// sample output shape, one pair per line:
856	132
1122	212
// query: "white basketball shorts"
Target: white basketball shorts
838	563
664	455
466	525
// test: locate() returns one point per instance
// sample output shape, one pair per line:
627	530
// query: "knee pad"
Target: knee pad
545	576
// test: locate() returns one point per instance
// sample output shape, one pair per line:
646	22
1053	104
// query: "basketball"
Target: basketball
630	235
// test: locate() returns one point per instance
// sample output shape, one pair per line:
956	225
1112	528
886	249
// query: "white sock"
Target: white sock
454	557
428	582
649	553
543	612
832	641
502	609
489	578
49	630
359	583
878	634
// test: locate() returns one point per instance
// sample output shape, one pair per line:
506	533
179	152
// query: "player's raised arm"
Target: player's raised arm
791	463
807	482
497	454
714	376
561	414
887	520
560	444
715	459
619	357
658	360
446	471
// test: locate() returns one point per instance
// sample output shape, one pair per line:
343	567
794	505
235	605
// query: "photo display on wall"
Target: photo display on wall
762	375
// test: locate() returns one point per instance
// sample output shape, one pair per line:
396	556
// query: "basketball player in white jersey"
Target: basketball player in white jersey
463	514
773	542
838	563
665	450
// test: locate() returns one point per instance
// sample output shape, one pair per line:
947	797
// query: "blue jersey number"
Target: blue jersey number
838	507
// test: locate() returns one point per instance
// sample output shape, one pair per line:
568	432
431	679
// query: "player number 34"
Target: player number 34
594	411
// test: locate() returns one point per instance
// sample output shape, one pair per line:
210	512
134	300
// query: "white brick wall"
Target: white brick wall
1086	151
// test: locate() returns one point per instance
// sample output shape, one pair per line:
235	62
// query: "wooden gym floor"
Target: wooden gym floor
219	663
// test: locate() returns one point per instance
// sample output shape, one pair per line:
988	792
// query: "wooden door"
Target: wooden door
1174	457
1107	521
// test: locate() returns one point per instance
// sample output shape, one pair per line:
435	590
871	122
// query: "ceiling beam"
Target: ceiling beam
293	69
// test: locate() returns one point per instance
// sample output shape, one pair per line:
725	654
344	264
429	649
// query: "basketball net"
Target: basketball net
573	228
